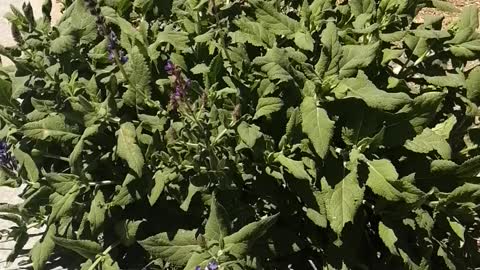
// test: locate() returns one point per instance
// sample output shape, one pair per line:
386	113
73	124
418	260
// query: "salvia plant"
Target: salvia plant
243	134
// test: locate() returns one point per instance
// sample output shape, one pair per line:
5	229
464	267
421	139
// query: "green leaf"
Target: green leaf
472	84
304	41
331	51
248	133
177	39
62	204
449	80
85	248
388	237
62	44
5	92
138	72
96	216
362	88
423	109
62	183
253	33
267	106
361	6
76	154
381	174
198	259
128	149
25	161
240	242
457	228
274	21
317	218
345	199
218	223
317	125
467	25
84	23
445	6
296	168
42	250
176	248
390	54
50	128
433	139
446	259
126	230
161	177
355	57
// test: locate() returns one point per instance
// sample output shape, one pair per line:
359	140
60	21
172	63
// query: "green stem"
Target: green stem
105	252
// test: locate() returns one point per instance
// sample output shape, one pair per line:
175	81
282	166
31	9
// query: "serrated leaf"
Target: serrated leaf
381	173
248	133
240	242
317	125
177	39
355	57
267	106
62	183
388	237
218	223
445	6
50	128
304	41
128	149
161	177
472	84
176	248
62	44
345	199
138	72
75	155
126	230
84	22
331	51
26	162
62	204
433	139
85	248
42	250
253	33
274	21
362	88
390	54
449	80
295	167
96	216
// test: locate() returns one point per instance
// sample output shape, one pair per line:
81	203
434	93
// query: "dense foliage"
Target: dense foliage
184	134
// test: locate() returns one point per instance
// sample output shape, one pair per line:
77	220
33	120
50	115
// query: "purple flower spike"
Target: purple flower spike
169	67
6	159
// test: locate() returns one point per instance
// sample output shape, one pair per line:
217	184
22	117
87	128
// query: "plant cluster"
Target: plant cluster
243	134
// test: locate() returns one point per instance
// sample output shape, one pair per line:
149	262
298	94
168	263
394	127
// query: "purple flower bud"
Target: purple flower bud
212	266
169	67
110	56
198	267
188	83
123	57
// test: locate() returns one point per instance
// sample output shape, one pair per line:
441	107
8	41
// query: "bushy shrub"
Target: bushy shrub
244	134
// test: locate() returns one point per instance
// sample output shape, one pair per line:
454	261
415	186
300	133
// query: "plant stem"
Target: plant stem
105	252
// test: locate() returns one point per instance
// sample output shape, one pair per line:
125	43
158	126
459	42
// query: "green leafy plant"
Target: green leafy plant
189	134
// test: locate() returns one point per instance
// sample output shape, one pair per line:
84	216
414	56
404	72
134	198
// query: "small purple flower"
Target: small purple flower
123	57
212	266
169	67
198	268
6	159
